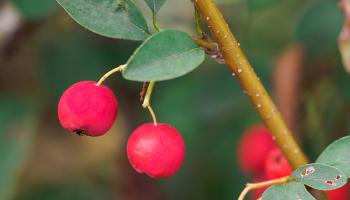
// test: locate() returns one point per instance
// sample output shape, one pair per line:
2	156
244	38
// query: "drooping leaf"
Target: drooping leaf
35	9
116	19
155	5
320	176
292	190
337	155
165	55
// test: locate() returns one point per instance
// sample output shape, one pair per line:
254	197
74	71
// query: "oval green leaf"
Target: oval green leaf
287	191
320	176
337	155
165	55
116	19
155	5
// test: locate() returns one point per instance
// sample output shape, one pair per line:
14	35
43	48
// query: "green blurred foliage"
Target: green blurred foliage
252	4
73	56
18	125
35	9
207	106
319	27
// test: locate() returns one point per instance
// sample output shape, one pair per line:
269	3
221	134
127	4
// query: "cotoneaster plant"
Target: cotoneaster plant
157	149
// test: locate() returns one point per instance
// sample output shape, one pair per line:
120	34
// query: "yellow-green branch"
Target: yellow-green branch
241	68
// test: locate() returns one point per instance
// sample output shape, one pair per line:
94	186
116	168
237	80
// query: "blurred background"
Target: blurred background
292	45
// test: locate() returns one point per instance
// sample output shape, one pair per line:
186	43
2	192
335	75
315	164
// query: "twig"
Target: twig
240	66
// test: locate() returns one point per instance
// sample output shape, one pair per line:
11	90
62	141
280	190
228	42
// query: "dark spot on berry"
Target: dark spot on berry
278	159
80	132
337	177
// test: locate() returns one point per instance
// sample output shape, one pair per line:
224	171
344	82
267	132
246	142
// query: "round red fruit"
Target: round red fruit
342	193
253	148
87	108
156	150
276	165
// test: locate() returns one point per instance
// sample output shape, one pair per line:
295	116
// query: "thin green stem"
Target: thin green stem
146	101
204	43
148	94
254	186
109	73
155	21
153	115
197	18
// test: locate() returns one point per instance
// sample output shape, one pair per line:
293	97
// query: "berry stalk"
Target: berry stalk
109	73
253	186
146	101
241	68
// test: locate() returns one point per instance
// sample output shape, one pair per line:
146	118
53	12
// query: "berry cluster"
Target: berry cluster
90	108
259	157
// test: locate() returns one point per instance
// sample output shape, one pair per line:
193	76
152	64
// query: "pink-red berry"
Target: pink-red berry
276	165
342	193
253	148
156	150
87	108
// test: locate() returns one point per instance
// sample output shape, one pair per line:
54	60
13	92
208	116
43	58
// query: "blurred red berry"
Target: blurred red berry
253	148
342	193
276	165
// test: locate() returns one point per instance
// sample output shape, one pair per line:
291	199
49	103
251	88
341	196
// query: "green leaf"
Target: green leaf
337	155
320	176
287	191
155	5
166	55
35	9
115	19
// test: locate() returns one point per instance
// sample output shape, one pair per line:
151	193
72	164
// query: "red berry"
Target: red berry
276	165
87	109
253	148
342	193
156	150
